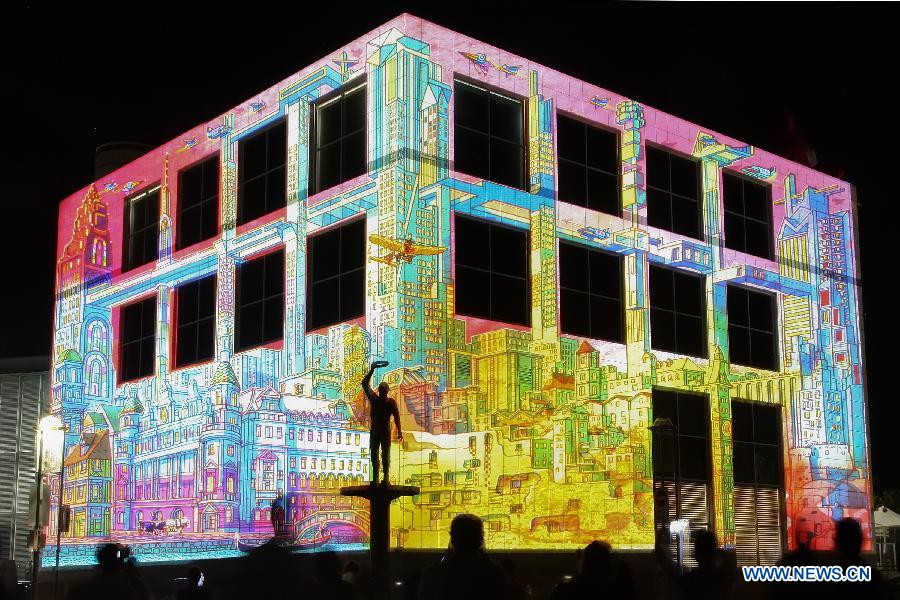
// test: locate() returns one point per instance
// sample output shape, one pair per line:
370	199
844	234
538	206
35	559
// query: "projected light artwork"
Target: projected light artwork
542	434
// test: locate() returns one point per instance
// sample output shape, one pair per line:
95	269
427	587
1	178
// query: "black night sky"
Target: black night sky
74	80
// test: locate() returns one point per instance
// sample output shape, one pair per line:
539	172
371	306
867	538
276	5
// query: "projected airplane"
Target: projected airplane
257	106
509	69
401	251
217	132
479	60
598	102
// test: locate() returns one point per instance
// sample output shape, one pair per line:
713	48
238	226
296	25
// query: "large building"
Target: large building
547	266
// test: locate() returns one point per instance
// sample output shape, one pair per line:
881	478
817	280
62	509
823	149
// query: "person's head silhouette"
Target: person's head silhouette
466	533
327	566
848	538
704	547
383	389
597	558
109	558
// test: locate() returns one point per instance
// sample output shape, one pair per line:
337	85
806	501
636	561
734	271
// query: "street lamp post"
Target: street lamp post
51	442
665	425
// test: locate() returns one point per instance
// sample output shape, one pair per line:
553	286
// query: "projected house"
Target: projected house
546	265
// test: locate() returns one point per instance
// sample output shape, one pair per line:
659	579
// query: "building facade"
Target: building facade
506	412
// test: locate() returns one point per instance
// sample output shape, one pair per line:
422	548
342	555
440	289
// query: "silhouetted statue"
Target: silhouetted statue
600	570
277	514
465	572
710	580
381	409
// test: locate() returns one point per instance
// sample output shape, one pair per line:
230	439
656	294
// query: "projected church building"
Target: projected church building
548	267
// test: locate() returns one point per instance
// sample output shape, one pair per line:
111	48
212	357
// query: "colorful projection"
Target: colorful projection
543	435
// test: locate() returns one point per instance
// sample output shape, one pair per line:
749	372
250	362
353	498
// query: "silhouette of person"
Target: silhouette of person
109	580
709	581
799	557
848	540
328	582
194	589
382	408
465	572
268	571
600	570
515	589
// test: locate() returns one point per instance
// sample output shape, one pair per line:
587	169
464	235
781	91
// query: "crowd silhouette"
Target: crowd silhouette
466	571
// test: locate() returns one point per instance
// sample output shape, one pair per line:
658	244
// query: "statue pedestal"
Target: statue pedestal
380	498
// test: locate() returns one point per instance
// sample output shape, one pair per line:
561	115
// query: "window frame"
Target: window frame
773	332
490	271
147	300
205	200
675	312
335	95
770	233
620	260
241	183
238	306
177	325
128	234
587	168
701	234
355	220
488	90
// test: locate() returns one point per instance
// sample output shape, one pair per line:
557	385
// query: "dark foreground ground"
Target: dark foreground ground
538	571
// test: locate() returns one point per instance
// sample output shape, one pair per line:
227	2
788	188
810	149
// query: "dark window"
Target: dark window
751	328
338	139
198	202
588	165
748	215
195	304
262	177
591	293
757	460
689	441
492	272
259	300
138	339
489	135
673	193
757	437
141	229
677	311
336	275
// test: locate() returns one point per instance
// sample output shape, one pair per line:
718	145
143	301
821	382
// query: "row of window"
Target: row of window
490	142
493	281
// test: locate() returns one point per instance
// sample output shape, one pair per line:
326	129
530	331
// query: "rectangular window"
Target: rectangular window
141	229
757	481
688	439
338	138
195	304
262	178
677	311
673	193
336	275
138	339
259	301
591	293
493	279
588	169
489	135
748	215
198	203
751	328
